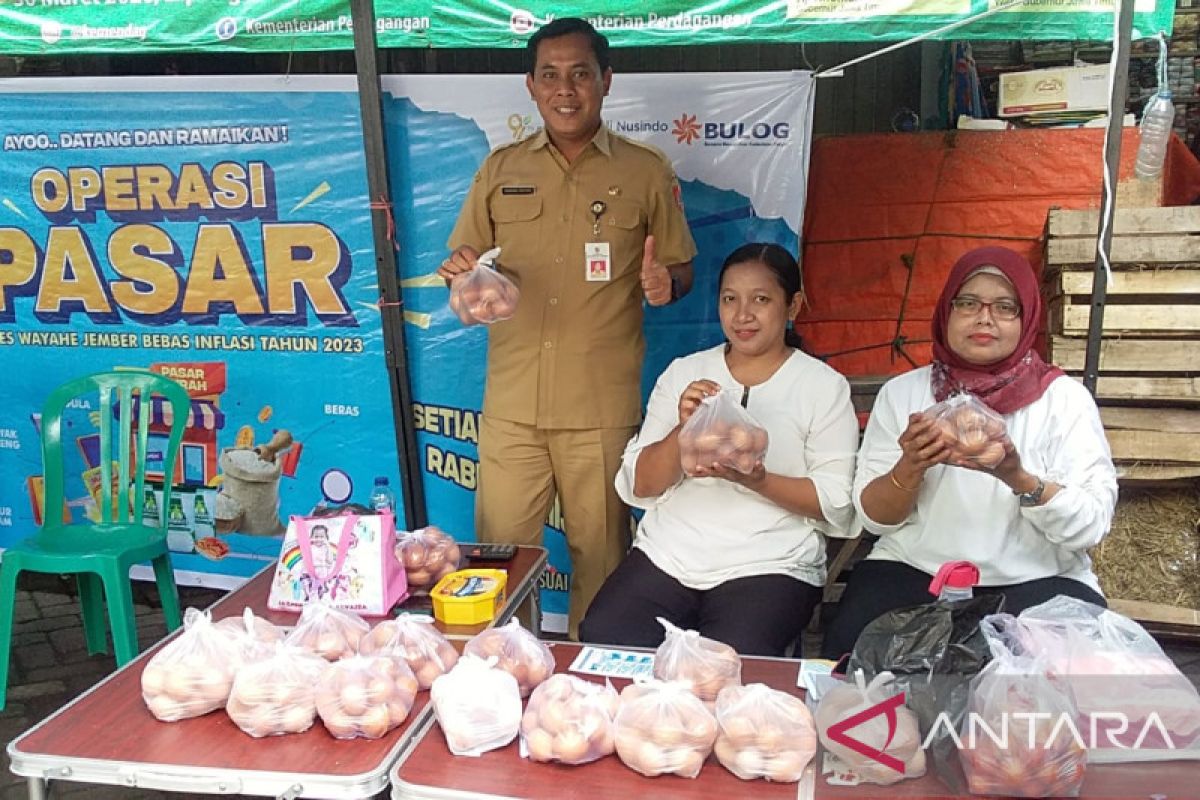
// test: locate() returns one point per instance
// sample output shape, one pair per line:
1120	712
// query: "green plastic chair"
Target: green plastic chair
100	555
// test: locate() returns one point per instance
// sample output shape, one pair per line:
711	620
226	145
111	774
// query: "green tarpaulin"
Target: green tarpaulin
29	27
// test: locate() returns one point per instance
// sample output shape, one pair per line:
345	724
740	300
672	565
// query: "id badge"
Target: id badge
597	261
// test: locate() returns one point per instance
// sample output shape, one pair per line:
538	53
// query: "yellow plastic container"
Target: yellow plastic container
469	596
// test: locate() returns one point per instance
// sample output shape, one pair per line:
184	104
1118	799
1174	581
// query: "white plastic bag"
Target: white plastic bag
277	695
482	295
427	652
974	432
477	705
663	728
570	720
365	696
328	631
721	431
192	674
764	733
517	651
704	665
1119	678
1014	697
901	741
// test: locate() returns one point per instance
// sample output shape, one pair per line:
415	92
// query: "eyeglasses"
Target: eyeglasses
1002	309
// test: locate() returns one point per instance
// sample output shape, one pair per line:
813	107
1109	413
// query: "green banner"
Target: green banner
45	27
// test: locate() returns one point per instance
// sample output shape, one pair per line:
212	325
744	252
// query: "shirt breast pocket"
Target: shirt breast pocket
624	230
515	212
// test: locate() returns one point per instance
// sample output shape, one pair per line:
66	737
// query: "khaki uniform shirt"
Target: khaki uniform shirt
571	356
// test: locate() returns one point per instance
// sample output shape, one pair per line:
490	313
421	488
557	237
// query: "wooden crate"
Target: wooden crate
1150	345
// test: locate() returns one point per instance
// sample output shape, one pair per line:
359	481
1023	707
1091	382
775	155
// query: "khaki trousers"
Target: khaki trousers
521	467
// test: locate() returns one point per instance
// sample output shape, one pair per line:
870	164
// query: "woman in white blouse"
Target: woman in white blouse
1028	522
740	558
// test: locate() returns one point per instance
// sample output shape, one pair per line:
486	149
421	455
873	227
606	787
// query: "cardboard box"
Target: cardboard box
1053	91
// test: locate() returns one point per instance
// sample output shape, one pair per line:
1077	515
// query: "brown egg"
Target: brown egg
353	699
690	763
397	711
551	718
748	763
726	752
379	690
540	745
787	767
163	708
375	723
177	684
153	679
570	746
991	455
407	685
341	728
602	741
739	729
652	759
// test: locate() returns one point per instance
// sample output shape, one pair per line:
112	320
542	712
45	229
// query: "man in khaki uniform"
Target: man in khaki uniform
589	223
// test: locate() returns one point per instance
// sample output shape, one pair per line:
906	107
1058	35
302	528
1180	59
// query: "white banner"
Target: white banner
747	132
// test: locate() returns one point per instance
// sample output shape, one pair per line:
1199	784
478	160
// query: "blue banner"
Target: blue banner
215	230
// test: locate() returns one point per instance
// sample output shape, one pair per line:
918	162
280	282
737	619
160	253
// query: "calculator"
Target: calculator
489	552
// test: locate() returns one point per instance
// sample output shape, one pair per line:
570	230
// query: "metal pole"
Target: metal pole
391	307
1108	194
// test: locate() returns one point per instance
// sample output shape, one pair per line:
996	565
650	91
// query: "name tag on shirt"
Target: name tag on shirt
597	263
516	190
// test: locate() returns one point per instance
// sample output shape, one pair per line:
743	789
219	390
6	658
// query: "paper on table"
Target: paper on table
613	663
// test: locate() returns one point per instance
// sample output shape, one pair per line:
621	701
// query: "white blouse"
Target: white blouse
963	514
705	531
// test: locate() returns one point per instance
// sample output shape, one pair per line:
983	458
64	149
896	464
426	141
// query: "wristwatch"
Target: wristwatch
1033	496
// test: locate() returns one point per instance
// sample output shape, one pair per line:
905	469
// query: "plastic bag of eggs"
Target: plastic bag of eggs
477	705
277	695
483	295
721	431
415	638
570	720
705	665
193	673
975	432
365	696
661	728
517	651
428	555
764	733
327	631
256	636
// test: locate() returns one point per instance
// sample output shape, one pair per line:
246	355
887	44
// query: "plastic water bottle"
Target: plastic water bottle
954	581
1157	121
382	497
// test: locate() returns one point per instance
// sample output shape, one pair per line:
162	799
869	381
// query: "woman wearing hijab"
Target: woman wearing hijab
1028	522
740	558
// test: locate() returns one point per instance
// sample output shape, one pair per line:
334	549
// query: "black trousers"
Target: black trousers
876	587
759	615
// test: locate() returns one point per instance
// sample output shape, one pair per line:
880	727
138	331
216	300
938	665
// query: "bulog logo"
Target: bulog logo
838	732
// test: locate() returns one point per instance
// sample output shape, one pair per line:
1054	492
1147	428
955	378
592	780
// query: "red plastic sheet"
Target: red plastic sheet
879	203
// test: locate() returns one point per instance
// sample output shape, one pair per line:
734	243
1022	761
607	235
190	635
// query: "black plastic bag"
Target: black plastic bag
933	650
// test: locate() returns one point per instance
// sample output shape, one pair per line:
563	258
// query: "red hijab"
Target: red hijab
1017	380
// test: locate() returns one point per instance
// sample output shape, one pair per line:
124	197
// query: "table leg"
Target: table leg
37	789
